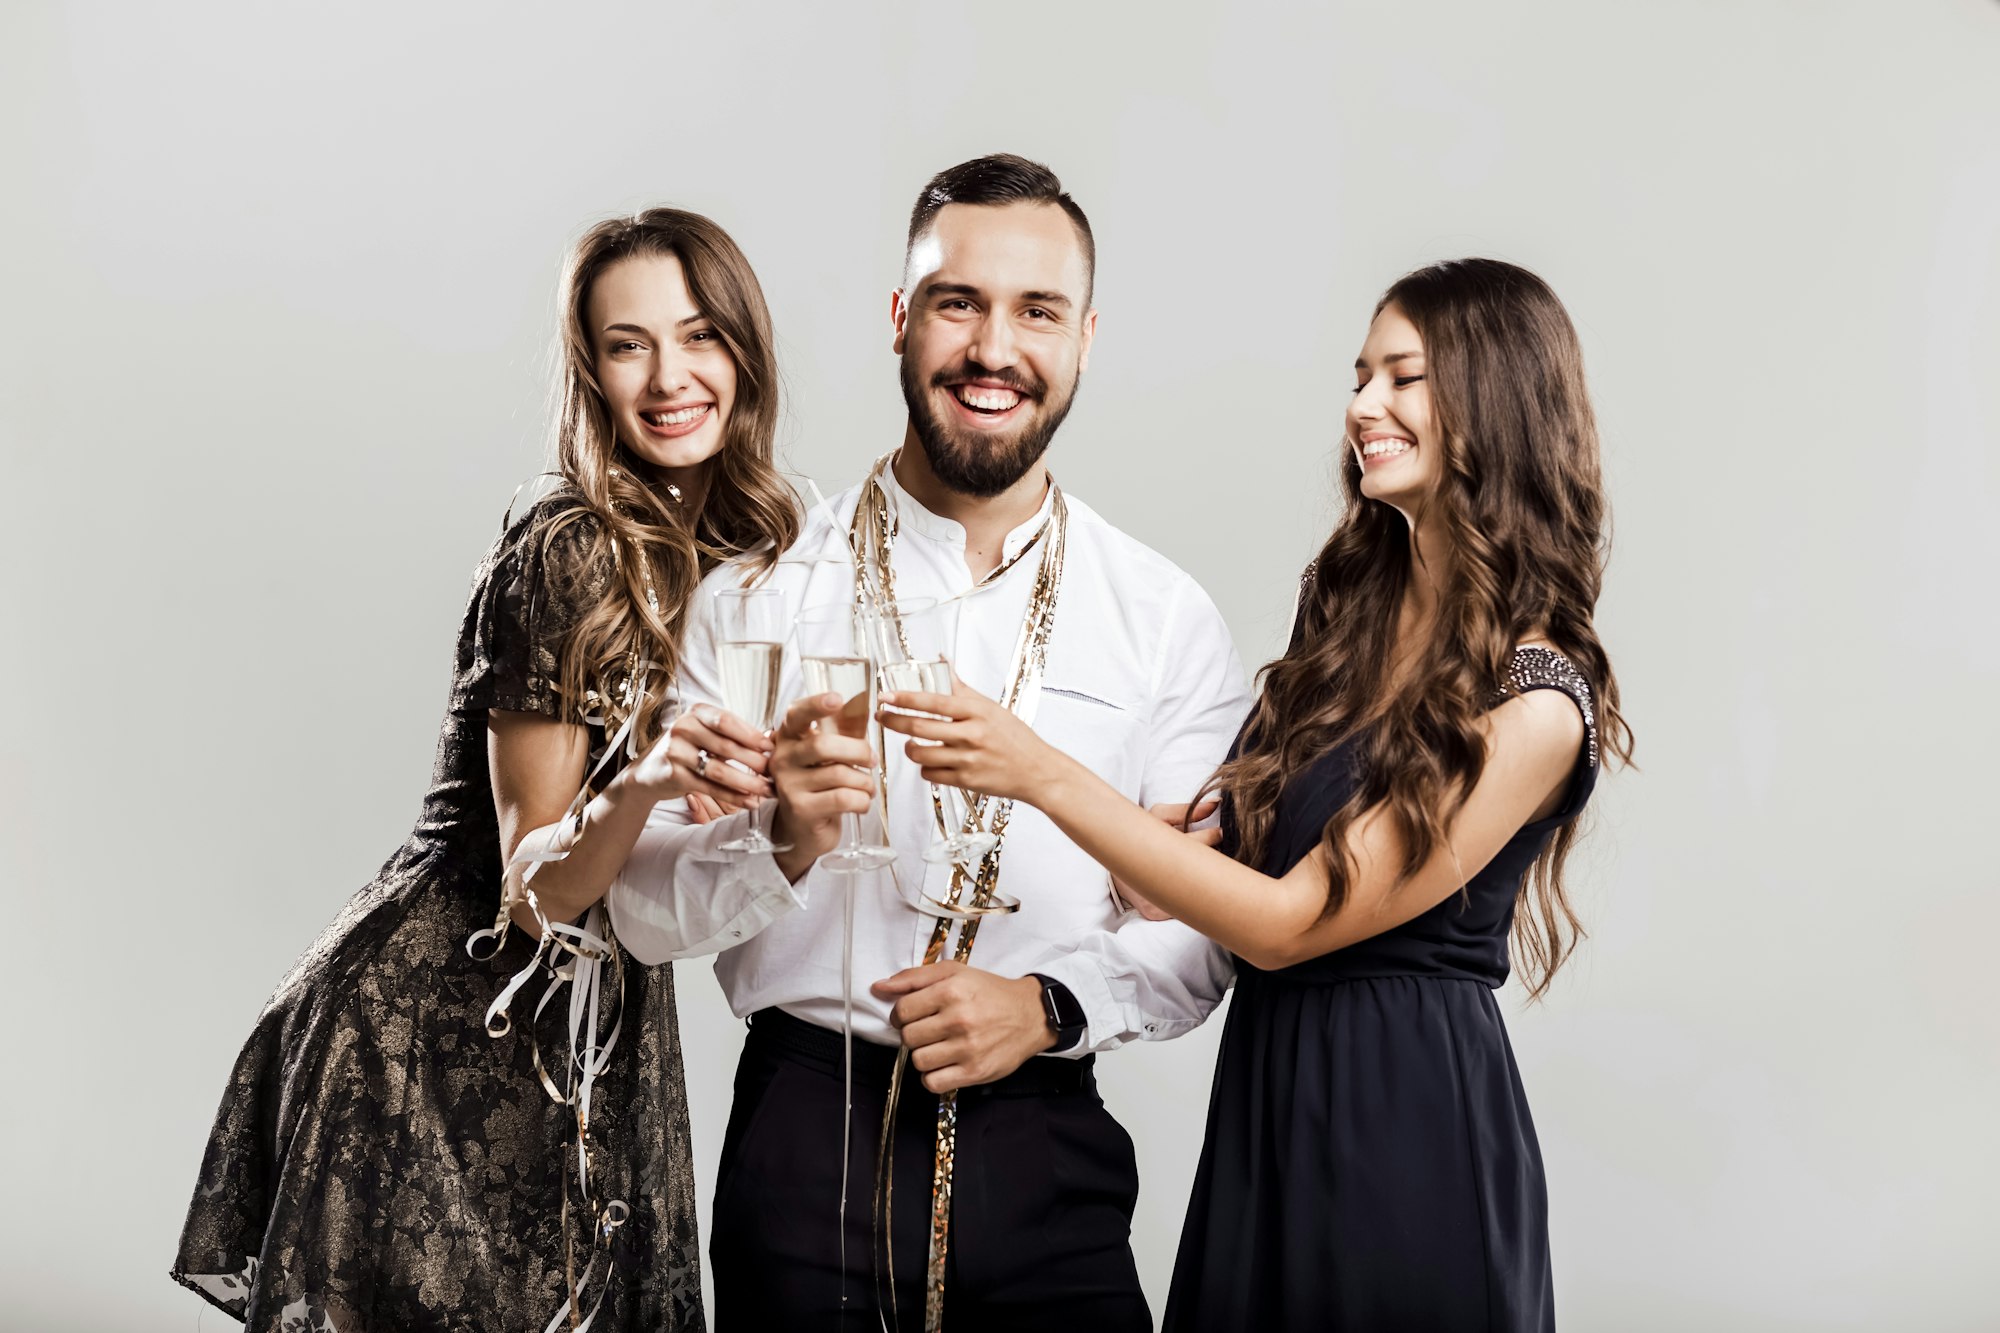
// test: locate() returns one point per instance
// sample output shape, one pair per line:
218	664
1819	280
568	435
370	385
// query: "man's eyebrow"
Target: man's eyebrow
951	289
1047	298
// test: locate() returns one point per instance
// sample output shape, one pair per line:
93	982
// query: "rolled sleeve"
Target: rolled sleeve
1144	981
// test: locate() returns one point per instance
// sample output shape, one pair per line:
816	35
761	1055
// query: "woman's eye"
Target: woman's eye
1405	381
701	335
624	346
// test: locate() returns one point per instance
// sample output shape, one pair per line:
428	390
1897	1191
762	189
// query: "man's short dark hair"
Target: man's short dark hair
1000	178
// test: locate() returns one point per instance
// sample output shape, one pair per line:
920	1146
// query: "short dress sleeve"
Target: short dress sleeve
1547	669
527	595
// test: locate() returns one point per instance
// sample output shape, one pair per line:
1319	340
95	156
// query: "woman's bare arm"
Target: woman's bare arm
537	765
1532	744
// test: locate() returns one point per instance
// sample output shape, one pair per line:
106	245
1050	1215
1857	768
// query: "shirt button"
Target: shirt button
1151	1028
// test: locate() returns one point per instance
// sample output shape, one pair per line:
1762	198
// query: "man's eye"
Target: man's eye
1036	312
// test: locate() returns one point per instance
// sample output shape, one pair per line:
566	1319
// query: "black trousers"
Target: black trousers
1042	1197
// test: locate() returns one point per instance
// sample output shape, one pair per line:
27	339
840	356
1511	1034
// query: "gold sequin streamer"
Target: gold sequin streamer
873	533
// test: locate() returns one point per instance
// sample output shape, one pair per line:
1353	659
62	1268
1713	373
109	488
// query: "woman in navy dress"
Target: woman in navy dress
1398	806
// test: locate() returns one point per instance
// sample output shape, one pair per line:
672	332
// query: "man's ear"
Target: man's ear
1089	334
899	320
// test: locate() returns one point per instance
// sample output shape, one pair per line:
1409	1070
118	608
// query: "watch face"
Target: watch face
1063	1011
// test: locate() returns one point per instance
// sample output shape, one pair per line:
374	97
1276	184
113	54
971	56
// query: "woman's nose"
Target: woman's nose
669	374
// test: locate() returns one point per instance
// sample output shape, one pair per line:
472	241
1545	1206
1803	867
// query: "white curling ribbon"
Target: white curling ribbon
590	949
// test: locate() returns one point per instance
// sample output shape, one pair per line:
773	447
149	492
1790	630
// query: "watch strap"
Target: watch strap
1064	1015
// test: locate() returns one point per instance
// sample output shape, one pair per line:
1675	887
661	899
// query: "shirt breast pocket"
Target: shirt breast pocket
1088	721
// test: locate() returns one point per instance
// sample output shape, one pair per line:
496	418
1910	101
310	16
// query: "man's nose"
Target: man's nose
993	346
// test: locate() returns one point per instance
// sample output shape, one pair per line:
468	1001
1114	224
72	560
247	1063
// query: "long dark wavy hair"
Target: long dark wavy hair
1520	504
633	528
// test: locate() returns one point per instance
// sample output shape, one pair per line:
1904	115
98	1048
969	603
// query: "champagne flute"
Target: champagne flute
929	635
751	622
839	650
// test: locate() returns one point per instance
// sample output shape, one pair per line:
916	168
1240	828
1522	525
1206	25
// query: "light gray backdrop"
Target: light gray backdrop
278	292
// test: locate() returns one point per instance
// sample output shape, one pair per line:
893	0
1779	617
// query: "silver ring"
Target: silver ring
701	763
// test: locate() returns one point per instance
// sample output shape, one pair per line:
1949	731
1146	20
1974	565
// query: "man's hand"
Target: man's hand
964	1026
820	774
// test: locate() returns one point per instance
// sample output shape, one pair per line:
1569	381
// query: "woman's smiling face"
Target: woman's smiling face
1389	420
667	376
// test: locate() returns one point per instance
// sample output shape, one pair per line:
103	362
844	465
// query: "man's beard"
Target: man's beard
980	464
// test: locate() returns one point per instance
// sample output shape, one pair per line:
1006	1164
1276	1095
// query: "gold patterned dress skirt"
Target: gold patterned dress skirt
379	1163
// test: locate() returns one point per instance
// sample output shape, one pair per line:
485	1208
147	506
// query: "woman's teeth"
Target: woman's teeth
988	400
1384	448
679	418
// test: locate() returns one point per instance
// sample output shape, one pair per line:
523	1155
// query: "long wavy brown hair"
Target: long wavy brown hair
657	549
1520	503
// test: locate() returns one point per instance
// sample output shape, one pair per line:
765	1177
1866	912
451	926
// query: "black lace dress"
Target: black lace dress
1370	1163
380	1164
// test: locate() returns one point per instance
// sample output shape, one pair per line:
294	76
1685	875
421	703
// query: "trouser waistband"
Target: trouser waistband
817	1046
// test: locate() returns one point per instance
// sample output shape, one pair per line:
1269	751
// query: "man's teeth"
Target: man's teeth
988	400
680	418
1383	448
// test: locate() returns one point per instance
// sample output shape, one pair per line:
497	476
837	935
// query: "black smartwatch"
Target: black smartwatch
1064	1014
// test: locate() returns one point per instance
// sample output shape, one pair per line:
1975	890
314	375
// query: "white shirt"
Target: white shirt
1143	685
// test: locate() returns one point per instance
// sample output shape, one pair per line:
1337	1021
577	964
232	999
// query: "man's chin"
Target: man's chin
984	465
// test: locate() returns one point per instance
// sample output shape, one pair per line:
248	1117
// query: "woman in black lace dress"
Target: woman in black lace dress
1401	800
380	1163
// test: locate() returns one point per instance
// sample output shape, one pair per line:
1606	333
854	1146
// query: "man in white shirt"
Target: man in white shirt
993	325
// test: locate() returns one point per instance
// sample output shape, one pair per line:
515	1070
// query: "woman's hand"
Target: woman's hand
980	746
1173	816
694	759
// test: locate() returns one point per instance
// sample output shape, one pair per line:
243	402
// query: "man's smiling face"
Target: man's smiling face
994	325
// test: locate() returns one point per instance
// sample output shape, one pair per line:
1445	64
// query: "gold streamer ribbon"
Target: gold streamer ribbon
874	532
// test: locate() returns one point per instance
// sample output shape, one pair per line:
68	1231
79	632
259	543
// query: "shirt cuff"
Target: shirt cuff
1105	1020
680	896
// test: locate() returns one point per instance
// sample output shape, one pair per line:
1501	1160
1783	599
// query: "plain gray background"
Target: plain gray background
279	291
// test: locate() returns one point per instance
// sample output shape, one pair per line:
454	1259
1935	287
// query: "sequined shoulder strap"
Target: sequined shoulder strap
1546	669
1299	609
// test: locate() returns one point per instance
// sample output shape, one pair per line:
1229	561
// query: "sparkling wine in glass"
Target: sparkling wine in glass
928	636
839	649
752	626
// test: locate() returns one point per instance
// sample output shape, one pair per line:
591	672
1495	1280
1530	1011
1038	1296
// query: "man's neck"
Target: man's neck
986	519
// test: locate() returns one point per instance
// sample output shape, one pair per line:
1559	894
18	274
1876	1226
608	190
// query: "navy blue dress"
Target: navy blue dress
1370	1162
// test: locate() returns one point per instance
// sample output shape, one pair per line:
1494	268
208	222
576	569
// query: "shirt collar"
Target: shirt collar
911	516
